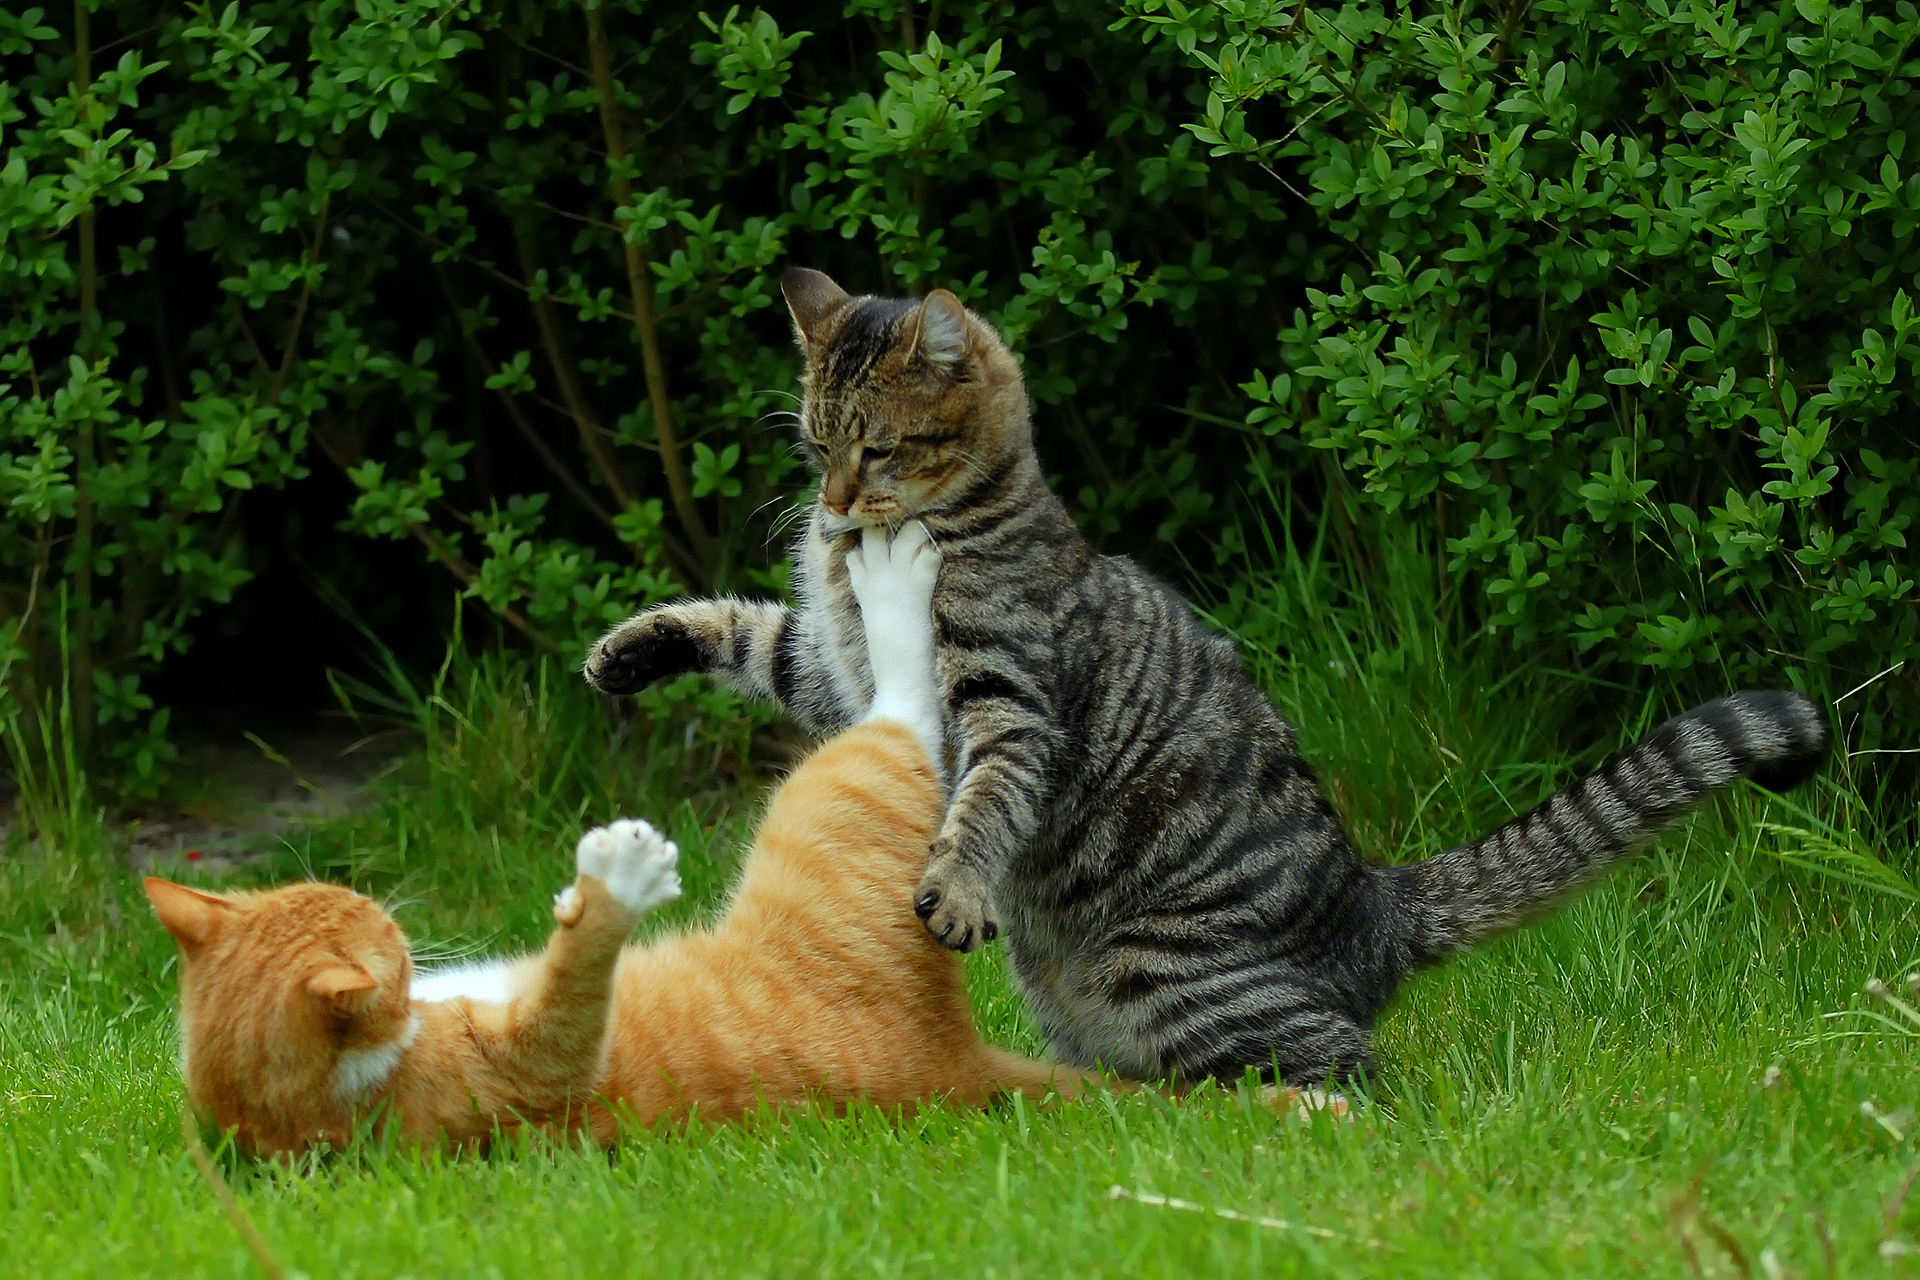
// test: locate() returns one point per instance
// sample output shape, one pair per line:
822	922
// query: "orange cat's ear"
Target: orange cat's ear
812	296
187	914
337	985
940	329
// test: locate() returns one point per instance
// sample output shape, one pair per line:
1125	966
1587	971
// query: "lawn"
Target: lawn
1651	1082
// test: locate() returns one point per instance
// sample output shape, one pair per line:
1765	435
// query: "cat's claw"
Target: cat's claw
639	866
954	902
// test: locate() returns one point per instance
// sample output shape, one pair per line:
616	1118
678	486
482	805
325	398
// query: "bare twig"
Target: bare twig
561	472
1148	1198
1871	679
468	575
1892	1213
197	1151
592	435
345	459
300	307
85	458
640	284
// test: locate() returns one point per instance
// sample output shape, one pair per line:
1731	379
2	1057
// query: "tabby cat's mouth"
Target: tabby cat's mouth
834	524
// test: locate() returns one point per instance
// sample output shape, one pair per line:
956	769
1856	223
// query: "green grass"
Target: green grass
1587	1097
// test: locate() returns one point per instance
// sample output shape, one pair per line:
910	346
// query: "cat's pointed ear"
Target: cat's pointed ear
337	985
187	914
811	296
941	332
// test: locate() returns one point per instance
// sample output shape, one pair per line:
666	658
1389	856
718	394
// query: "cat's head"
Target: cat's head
293	1005
908	404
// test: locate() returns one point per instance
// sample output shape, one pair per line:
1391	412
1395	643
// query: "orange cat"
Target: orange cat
300	1010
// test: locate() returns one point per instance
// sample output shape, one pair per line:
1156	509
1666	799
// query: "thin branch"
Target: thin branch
592	434
163	344
246	331
85	461
480	264
468	574
1869	680
249	1234
561	472
1153	1201
640	284
465	572
306	295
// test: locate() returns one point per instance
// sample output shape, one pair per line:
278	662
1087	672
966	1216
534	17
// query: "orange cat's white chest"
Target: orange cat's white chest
360	1071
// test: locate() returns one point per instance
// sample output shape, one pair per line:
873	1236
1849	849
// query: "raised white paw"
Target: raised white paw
639	866
894	576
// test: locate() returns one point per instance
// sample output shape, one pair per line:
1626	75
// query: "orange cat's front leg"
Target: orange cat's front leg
536	1056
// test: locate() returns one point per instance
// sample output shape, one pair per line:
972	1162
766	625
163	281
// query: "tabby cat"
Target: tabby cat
1177	893
301	1013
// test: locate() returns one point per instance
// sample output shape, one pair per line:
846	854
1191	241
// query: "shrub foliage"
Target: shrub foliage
1611	303
1627	319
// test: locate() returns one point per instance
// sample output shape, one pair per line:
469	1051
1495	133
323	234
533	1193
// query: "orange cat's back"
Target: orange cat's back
819	980
300	1013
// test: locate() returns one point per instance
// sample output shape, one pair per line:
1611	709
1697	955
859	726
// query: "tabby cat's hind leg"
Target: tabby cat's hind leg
1302	1046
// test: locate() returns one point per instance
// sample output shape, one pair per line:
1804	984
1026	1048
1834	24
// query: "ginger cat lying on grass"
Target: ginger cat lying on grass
301	1012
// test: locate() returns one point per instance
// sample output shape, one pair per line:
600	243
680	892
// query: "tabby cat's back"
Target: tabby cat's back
1178	894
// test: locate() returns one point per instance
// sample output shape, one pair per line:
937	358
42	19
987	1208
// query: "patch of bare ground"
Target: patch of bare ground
237	799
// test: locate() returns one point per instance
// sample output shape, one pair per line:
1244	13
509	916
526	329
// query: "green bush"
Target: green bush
1605	304
510	270
1625	318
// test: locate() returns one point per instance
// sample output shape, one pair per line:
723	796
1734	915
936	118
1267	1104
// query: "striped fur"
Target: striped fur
1177	893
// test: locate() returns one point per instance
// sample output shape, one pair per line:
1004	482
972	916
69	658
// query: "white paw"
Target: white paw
894	576
894	582
639	866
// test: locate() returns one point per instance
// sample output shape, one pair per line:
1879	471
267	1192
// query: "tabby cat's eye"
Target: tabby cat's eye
871	454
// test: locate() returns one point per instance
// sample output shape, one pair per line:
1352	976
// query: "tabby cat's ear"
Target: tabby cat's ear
812	296
940	330
189	915
337	985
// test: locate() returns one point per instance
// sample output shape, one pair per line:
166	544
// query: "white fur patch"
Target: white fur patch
893	579
360	1071
484	981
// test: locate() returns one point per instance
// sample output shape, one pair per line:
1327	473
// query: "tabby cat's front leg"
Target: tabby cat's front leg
1009	741
759	647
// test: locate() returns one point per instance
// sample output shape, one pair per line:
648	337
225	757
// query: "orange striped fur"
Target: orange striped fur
817	982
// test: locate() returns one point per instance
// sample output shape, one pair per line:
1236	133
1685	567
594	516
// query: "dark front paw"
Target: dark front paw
649	647
954	901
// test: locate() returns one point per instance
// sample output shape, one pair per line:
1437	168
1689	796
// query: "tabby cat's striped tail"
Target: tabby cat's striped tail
1458	898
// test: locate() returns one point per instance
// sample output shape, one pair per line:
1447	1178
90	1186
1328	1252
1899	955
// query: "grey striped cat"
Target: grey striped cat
1176	891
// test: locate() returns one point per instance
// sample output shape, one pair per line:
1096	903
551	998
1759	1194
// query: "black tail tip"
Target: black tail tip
1785	734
